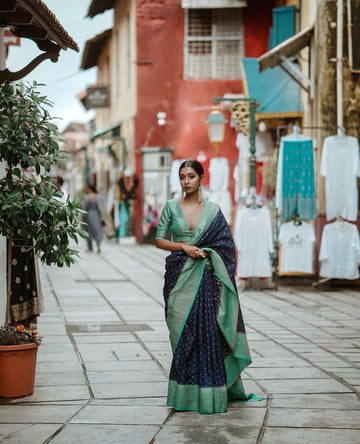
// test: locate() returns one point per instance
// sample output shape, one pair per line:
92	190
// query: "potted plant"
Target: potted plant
30	203
18	350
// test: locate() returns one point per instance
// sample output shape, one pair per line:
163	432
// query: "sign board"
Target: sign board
97	97
10	38
211	4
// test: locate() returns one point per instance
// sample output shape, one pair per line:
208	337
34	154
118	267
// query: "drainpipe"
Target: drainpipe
339	68
3	279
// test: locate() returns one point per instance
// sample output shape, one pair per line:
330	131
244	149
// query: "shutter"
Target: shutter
354	47
283	25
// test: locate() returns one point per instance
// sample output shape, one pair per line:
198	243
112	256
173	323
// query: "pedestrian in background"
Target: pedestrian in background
207	332
93	204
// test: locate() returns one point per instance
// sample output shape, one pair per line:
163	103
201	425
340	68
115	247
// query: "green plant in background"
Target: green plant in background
29	203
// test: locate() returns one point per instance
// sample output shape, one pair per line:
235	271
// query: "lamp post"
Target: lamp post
216	129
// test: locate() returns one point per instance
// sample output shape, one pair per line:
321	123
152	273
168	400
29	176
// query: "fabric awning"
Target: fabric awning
93	48
286	49
115	129
278	94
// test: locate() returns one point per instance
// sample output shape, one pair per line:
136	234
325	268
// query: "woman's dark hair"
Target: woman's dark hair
195	165
92	188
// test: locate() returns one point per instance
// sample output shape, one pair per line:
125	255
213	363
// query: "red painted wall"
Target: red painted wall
161	87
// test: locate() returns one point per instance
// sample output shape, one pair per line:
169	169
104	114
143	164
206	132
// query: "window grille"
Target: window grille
213	43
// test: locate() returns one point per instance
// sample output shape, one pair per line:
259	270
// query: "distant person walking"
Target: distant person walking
93	204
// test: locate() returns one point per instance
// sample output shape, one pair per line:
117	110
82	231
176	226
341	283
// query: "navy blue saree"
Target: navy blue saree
207	332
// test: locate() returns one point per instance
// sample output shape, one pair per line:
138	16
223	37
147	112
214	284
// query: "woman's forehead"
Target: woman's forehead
187	170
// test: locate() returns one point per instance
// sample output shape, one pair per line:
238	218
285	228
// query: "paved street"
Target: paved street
102	368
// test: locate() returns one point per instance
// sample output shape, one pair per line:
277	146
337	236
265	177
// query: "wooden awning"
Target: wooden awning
286	49
93	48
32	19
99	6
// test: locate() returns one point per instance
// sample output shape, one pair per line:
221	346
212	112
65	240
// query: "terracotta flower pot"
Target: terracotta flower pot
17	370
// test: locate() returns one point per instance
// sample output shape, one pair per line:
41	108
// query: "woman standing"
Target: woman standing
93	204
203	315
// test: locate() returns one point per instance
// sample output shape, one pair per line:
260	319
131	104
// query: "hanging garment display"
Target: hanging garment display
223	199
241	170
254	243
219	184
296	248
264	145
219	174
295	186
340	251
175	187
340	165
205	162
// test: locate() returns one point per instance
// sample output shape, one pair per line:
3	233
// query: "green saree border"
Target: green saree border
201	399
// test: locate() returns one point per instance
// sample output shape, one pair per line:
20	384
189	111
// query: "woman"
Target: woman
202	309
93	204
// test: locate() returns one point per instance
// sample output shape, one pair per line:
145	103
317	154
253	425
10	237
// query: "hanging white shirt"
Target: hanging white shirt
340	251
223	199
175	186
219	174
242	144
254	243
264	145
340	165
297	247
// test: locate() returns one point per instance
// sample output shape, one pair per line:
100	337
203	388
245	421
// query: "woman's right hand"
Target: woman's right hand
194	252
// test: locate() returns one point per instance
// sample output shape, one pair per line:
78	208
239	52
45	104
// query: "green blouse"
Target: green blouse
172	219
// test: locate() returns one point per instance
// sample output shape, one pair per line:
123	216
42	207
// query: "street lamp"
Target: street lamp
216	127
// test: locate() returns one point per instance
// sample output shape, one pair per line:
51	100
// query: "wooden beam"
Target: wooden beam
8	6
9	76
51	34
20	18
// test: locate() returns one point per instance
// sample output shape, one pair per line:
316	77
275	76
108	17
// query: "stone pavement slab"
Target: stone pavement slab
103	367
14	433
301	436
105	434
314	418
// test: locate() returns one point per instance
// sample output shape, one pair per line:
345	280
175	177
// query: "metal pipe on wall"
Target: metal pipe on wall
339	66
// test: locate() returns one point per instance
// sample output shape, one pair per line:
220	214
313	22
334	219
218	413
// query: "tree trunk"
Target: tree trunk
8	287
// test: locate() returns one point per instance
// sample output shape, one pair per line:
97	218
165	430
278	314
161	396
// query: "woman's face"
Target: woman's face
189	180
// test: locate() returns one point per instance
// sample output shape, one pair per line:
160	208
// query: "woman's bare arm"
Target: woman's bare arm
190	250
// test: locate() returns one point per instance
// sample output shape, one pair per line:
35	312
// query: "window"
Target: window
283	25
213	43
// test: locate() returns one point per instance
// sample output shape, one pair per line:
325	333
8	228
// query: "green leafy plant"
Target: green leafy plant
30	205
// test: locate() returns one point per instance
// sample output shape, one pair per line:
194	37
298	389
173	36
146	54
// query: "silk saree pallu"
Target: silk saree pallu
206	328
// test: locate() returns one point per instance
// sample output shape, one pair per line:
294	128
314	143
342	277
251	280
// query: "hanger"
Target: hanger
296	220
254	201
341	220
341	131
296	129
